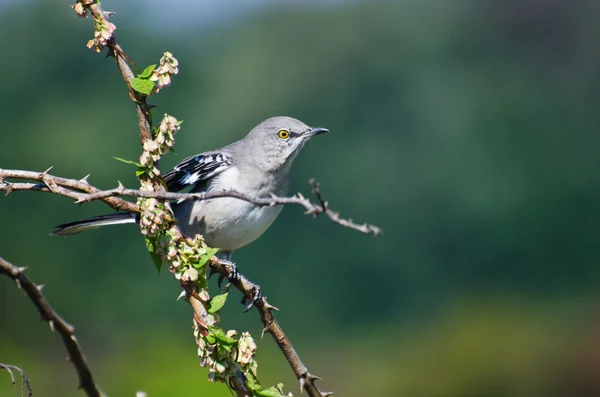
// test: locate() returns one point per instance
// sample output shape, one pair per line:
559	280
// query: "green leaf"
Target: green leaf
210	339
226	348
157	261
147	72
140	171
202	282
252	383
143	86
274	391
220	335
205	258
155	258
217	302
127	161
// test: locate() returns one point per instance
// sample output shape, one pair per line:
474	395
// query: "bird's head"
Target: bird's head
282	138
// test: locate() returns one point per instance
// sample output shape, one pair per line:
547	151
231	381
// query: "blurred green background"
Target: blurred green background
467	130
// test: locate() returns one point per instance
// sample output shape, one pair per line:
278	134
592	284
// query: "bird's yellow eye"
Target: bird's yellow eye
284	134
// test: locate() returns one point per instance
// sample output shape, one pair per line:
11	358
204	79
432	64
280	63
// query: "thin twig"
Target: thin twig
64	329
265	310
25	384
365	228
87	193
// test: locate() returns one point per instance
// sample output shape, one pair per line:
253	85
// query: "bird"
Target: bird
257	165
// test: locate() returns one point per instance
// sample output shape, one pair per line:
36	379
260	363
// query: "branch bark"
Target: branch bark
64	329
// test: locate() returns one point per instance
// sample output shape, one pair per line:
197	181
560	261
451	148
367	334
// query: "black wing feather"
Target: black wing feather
195	169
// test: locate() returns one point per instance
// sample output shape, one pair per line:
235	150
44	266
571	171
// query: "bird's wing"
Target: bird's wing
197	168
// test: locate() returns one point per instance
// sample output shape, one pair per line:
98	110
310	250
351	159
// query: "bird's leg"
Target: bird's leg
225	258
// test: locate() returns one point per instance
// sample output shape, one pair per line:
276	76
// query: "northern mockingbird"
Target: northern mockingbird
257	165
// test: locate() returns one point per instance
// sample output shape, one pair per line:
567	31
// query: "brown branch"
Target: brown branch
72	188
265	310
91	193
65	330
24	378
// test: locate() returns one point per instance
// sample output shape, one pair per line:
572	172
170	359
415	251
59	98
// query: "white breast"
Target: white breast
227	223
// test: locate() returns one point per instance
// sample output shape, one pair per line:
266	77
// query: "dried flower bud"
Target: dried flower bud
168	66
103	32
246	348
80	10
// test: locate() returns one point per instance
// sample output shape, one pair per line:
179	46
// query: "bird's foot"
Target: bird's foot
250	302
234	275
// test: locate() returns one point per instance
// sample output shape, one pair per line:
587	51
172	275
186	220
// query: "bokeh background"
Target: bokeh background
468	130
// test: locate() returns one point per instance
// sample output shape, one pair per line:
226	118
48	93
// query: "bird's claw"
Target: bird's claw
233	275
223	288
250	302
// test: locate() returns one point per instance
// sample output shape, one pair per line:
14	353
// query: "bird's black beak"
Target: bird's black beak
315	131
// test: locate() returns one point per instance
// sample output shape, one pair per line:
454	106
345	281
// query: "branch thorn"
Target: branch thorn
269	306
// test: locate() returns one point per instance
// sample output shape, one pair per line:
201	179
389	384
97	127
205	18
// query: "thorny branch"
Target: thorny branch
81	191
265	310
24	378
65	330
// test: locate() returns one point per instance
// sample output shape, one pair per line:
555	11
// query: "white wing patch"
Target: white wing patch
195	169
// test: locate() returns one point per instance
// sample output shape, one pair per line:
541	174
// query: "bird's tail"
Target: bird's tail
94	222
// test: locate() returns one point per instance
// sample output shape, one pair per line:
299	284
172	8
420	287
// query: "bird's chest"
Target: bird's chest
243	223
230	223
